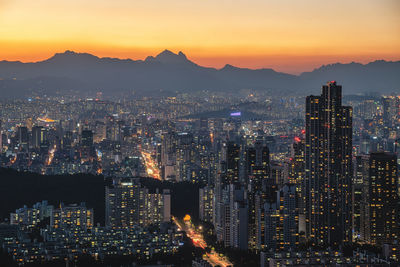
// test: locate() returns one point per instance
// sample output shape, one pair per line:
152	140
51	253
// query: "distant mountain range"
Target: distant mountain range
169	72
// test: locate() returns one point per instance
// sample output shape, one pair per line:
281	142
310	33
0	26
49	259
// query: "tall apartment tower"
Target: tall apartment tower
380	211
281	220
297	176
328	159
232	162
257	168
129	204
206	204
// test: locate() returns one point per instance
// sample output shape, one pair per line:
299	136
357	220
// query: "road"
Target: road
213	257
151	166
51	155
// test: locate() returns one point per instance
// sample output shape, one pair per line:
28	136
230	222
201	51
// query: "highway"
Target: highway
213	257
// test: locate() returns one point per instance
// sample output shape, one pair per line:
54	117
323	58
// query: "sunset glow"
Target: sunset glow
292	36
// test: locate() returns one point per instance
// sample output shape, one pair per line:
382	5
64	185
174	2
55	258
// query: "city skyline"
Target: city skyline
208	133
292	38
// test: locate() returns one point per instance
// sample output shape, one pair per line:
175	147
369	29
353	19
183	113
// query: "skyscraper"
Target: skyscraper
232	162
257	168
39	137
281	220
23	137
87	149
360	190
328	158
380	214
297	175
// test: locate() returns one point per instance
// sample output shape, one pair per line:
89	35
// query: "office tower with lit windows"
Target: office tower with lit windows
328	169
380	200
39	137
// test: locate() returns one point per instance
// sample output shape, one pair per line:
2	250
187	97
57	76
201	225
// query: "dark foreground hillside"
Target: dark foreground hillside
19	188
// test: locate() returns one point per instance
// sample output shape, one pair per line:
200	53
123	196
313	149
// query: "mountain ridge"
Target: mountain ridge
171	71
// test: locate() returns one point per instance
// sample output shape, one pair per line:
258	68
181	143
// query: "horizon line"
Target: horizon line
297	73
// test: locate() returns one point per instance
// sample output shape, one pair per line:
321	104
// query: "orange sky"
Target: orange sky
287	35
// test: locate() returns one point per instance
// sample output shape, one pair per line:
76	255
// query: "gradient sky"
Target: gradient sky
287	35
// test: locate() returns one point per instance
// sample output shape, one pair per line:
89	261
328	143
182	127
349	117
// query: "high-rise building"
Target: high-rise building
72	216
380	211
281	220
226	180
183	155
257	168
279	173
129	204
23	137
30	217
232	162
206	203
87	149
168	156
297	176
360	179
231	222
87	138
288	208
238	217
328	158
25	217
257	164
39	137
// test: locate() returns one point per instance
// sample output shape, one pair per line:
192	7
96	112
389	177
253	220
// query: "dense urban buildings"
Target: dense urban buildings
291	179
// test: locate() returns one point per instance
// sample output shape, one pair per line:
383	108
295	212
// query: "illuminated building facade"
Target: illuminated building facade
72	216
328	158
380	211
128	204
206	200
